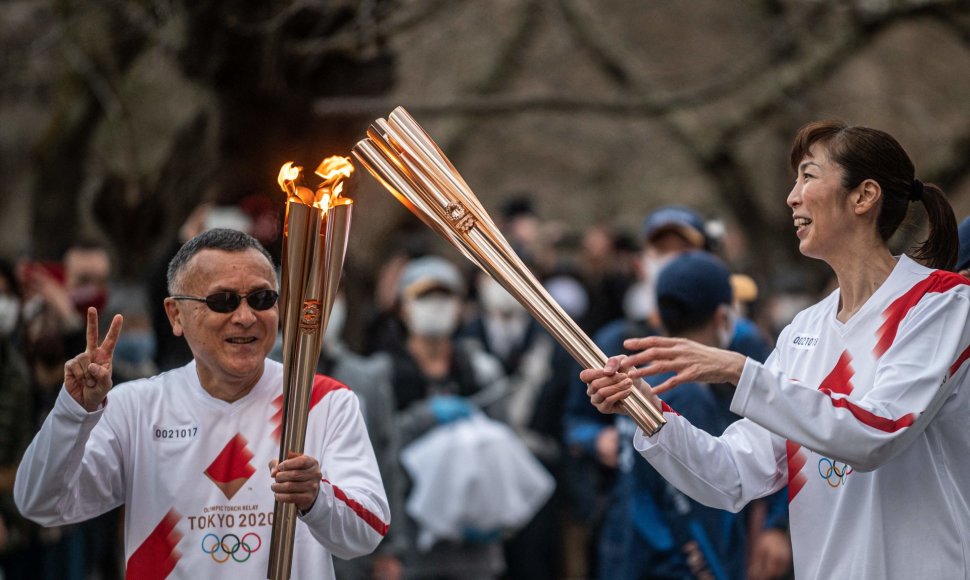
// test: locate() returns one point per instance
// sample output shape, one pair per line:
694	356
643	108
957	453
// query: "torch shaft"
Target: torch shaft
528	291
408	163
303	280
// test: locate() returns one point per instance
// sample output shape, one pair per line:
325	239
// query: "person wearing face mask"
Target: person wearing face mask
47	326
438	380
592	439
653	530
54	328
504	328
668	232
56	298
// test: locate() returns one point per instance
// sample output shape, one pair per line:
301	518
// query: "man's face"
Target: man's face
86	272
435	313
669	242
229	348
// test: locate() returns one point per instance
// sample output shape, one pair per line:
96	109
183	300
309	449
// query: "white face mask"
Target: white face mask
725	332
9	312
433	316
640	300
497	300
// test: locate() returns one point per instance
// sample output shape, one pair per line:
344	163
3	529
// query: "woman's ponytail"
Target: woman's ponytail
942	244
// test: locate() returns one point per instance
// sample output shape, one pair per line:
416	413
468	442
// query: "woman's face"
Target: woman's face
820	208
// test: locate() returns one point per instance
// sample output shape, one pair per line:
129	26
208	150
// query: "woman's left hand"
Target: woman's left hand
607	386
611	384
691	362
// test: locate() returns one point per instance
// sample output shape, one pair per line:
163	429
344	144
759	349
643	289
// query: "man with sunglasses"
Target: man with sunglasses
192	452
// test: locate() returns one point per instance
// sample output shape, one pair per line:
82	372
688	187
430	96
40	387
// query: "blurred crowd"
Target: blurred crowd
495	463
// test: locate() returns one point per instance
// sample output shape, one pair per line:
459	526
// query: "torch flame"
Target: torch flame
287	178
334	171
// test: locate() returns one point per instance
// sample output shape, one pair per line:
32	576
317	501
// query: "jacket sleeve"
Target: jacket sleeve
72	470
746	462
912	382
351	514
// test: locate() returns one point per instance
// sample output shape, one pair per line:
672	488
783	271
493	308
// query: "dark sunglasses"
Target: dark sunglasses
226	302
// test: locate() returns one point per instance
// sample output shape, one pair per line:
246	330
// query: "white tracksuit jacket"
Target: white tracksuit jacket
192	472
868	422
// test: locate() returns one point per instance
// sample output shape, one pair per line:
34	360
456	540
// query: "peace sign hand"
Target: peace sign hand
87	376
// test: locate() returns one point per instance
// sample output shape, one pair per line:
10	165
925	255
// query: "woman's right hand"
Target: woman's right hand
691	362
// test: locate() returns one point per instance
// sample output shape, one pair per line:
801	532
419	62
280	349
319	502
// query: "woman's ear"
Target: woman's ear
866	196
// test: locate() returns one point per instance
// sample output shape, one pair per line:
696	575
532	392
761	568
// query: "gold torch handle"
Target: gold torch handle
313	256
300	305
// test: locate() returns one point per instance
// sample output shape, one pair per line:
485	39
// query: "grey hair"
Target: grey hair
215	239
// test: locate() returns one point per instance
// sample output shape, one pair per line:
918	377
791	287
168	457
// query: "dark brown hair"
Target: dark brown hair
865	153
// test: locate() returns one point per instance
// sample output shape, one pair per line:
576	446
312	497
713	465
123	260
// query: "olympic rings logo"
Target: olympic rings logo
833	472
230	546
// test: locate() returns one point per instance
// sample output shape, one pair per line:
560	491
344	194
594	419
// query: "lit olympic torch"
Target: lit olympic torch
315	234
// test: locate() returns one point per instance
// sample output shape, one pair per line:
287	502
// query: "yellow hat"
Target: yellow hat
744	287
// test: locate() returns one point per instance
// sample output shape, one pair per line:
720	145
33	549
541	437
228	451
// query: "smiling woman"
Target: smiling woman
849	158
866	393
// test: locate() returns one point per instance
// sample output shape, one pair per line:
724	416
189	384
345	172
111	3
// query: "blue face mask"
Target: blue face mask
135	347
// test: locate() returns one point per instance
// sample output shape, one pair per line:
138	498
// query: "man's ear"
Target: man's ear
174	315
725	318
866	196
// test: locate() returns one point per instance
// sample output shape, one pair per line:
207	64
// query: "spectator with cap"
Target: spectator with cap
591	438
653	530
667	233
963	259
437	380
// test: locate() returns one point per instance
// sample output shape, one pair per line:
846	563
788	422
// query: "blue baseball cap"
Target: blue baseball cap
963	260
677	218
690	288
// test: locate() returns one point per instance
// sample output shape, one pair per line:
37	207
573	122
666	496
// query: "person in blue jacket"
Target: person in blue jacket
653	531
592	438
